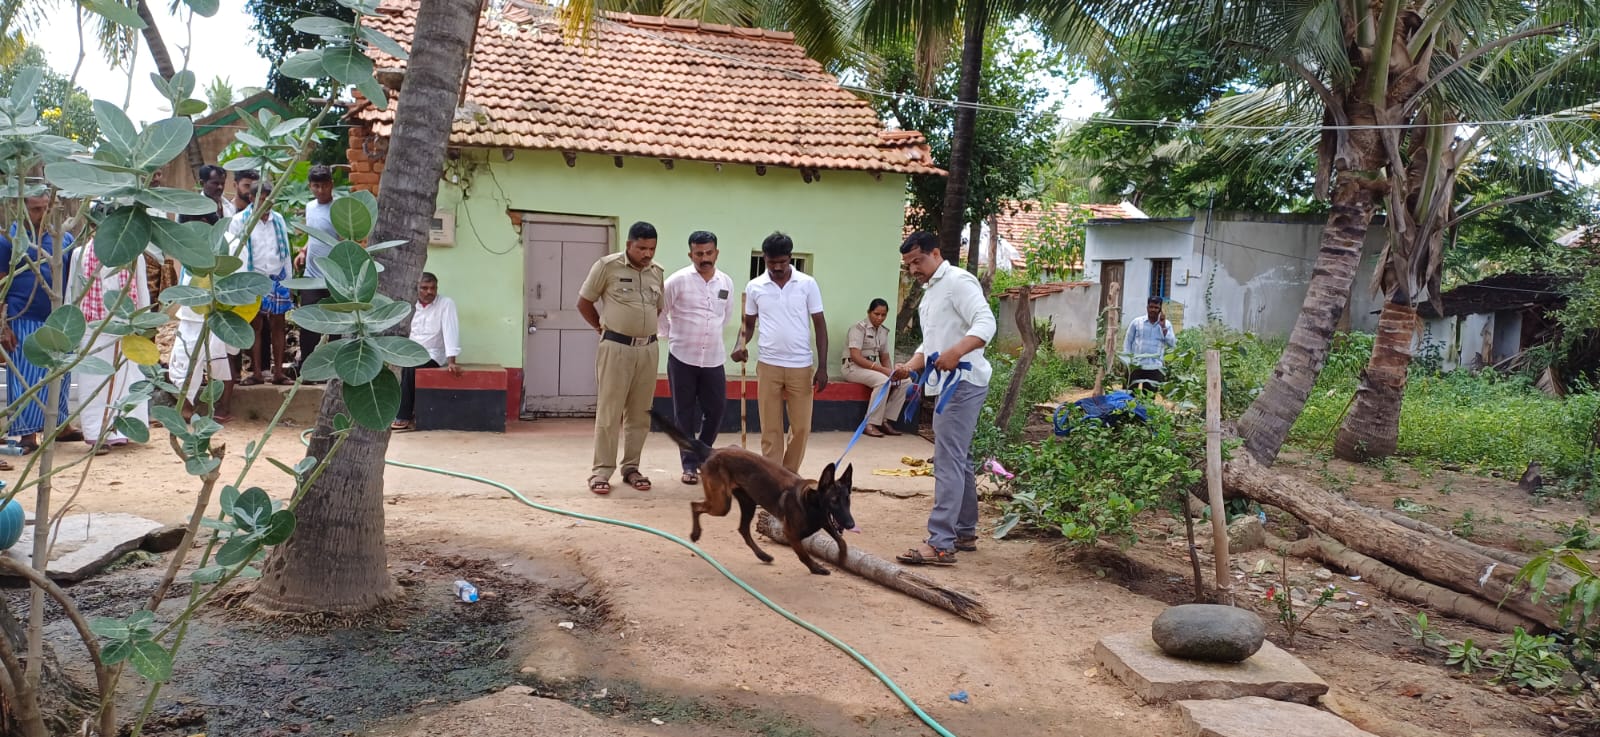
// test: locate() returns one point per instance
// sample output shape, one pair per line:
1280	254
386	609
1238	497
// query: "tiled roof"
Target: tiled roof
1042	290
660	88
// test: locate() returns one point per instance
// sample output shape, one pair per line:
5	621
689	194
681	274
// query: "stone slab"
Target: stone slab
1253	716
86	543
1156	677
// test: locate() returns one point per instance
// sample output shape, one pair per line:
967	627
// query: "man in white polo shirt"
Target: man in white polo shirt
788	306
956	325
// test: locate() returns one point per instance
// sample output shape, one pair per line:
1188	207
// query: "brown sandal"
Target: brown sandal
637	480
872	431
599	485
914	557
690	477
967	544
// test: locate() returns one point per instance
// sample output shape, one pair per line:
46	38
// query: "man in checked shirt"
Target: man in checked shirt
1149	337
695	315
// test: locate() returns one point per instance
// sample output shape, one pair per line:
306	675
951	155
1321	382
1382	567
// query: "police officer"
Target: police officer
629	286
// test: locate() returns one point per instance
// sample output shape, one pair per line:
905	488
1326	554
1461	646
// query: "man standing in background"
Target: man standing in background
630	285
1149	337
319	218
788	306
695	311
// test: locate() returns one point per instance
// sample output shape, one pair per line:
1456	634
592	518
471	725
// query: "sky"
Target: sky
221	46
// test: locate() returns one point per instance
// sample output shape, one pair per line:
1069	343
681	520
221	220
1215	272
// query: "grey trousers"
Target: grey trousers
955	488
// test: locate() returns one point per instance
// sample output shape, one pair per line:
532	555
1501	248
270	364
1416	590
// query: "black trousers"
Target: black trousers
310	339
408	391
699	397
1146	380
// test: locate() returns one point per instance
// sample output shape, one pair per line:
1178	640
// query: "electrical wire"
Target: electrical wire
826	636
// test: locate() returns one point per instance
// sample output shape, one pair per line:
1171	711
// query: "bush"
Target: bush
1094	482
1247	363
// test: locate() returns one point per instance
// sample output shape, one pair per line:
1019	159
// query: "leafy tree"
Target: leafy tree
277	38
219	94
1519	236
64	109
1008	147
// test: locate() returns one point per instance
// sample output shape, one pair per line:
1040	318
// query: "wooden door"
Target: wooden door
1111	272
558	374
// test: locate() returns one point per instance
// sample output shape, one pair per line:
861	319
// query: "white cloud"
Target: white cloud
220	46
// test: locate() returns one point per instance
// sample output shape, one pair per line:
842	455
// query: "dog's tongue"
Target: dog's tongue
856	530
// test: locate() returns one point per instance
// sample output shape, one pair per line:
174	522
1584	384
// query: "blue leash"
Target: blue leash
920	380
883	393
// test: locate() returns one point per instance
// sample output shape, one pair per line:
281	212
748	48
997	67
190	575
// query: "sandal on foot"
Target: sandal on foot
690	477
967	544
282	381
914	557
888	429
5	465
599	486
401	426
72	433
637	480
251	381
872	431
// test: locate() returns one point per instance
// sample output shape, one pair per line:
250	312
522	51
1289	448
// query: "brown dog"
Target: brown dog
735	473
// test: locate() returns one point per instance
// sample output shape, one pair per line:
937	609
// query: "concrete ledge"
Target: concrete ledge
1157	677
1253	716
262	402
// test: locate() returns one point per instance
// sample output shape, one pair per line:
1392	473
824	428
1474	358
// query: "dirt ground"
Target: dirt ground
680	650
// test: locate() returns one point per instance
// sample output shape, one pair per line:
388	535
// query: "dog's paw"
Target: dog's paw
820	571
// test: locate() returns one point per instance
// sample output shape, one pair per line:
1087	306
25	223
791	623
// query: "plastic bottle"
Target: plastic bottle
10	449
466	592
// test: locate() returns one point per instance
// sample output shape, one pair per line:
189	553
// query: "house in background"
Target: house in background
1490	322
216	131
686	125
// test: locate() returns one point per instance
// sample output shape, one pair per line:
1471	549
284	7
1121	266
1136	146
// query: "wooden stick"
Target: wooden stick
883	572
1113	315
1219	514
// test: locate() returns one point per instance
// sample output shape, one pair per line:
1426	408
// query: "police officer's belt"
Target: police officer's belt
617	337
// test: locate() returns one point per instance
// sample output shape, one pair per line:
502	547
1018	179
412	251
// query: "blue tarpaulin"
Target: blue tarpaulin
1111	409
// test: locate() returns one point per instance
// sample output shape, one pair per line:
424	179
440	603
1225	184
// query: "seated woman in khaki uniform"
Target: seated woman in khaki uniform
867	361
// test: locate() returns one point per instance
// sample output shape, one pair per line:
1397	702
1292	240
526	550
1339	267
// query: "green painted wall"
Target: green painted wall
848	224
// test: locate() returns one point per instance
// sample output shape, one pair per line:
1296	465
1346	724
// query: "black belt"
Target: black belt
617	337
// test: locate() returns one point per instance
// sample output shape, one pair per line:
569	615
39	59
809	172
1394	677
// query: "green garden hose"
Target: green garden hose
786	614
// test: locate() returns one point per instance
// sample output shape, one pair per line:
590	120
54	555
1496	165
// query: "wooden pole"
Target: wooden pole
1030	348
1113	326
1219	515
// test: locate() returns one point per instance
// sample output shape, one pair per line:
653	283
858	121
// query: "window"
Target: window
758	264
1161	278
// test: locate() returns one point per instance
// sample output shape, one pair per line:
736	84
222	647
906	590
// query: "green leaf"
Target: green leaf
82	179
229	497
278	528
212	392
320	319
231	328
109	628
92	366
341	421
386	315
351	220
208	575
24	86
161	142
188	243
189	107
346	63
116	651
252	508
384	43
183	294
304	65
351	274
115	127
300	283
203	8
200	465
372	90
152	661
358	362
384	246
70	321
36	349
170	418
399	351
242	288
135	430
284	467
122	236
245	162
326	27
183	84
115	12
238	549
319	365
362	7
180	201
374	405
226	264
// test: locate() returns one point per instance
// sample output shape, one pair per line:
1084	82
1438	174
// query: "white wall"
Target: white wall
1072	309
1136	243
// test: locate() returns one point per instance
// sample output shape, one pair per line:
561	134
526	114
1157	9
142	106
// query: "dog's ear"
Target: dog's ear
827	477
845	479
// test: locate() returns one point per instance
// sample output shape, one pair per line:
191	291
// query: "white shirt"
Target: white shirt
436	328
318	217
695	314
953	307
785	318
1147	343
267	250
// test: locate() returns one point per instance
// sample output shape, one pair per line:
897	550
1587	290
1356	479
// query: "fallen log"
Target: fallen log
1558	576
1427	557
1403	587
883	572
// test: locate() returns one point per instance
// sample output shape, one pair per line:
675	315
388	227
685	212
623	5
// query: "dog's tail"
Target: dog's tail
699	450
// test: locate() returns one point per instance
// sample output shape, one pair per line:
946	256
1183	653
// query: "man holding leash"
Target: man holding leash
694	313
629	287
956	325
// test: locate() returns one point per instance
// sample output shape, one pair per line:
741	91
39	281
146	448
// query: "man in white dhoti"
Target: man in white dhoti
97	289
212	361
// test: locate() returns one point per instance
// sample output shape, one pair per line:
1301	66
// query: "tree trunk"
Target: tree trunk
335	562
1266	423
1372	427
1030	347
974	236
1421	555
883	572
163	60
961	135
61	704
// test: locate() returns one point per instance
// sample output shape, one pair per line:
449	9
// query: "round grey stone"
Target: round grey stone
1217	634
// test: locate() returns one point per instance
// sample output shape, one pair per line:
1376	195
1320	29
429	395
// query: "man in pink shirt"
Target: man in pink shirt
695	315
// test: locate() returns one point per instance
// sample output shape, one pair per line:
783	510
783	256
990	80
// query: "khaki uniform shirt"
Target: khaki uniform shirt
872	341
630	298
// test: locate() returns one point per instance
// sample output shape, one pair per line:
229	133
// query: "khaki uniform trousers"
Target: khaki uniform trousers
777	388
892	405
627	384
